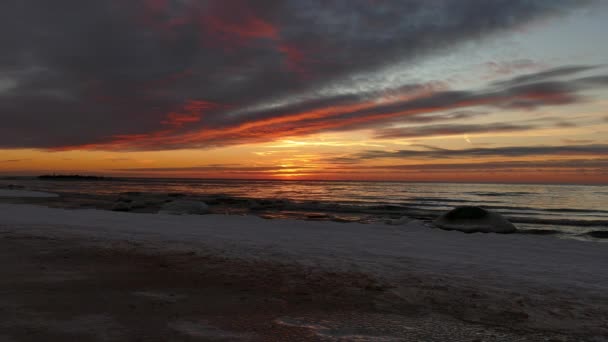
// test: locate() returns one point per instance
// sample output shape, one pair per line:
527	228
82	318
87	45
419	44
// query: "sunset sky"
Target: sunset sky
440	90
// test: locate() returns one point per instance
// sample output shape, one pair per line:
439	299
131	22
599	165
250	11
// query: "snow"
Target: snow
25	194
381	250
557	284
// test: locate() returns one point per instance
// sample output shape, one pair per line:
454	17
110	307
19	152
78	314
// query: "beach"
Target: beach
113	276
334	171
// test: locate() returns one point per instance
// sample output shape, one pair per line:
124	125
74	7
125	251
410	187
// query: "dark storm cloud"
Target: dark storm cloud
88	72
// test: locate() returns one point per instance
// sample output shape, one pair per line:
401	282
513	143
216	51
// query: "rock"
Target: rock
124	199
599	234
175	194
254	205
139	204
15	186
280	203
184	207
121	206
132	193
471	219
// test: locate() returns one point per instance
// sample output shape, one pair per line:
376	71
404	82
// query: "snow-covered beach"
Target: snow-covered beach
533	286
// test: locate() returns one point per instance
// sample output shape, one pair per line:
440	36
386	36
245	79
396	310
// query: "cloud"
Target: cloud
224	168
578	141
351	112
165	74
502	68
13	160
572	164
447	129
430	152
546	75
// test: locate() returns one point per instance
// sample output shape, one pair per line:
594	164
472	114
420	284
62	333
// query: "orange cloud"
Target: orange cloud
343	116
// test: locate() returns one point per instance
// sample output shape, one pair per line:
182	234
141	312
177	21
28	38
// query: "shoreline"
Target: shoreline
308	210
526	284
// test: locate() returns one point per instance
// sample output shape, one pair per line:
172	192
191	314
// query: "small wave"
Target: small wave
551	210
574	210
500	194
388	207
538	231
448	200
560	222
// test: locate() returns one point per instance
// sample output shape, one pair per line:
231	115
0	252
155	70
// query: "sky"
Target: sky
410	90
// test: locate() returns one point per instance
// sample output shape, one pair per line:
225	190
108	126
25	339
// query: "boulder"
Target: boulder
599	234
471	219
140	204
184	207
254	205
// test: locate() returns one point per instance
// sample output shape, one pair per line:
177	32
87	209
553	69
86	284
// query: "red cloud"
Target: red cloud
343	116
229	25
294	58
239	30
191	112
234	23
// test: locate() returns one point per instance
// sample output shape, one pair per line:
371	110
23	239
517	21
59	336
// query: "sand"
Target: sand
110	276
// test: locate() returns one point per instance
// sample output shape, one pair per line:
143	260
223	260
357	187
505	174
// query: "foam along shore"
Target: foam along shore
25	194
534	282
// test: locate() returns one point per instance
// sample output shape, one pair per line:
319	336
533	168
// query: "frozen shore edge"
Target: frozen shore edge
560	284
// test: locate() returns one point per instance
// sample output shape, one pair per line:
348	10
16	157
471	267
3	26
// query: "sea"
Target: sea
572	211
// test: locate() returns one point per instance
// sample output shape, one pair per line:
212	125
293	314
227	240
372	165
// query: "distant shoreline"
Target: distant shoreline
74	177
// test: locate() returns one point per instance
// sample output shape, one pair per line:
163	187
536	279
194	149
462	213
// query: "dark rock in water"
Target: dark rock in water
600	234
471	219
14	186
132	193
124	199
140	204
254	205
468	212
